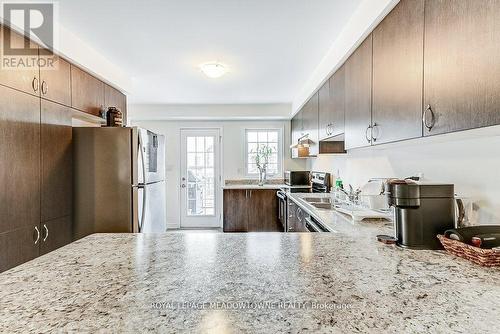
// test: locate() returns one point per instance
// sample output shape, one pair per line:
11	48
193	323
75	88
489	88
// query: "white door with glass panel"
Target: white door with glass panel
200	178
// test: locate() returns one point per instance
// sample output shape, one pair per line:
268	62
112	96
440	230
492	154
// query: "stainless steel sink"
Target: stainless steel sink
314	200
323	205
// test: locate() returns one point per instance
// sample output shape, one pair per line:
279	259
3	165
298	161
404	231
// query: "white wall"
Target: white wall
232	151
199	112
368	14
470	160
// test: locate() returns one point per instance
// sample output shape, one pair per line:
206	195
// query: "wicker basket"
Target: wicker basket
483	257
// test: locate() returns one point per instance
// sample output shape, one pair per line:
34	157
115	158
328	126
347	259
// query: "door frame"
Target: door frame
218	190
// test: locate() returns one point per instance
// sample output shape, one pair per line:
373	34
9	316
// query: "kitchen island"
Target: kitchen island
343	281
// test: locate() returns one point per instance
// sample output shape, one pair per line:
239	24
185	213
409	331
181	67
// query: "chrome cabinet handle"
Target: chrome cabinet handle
366	134
46	232
375	126
37	235
35	84
424	118
45	87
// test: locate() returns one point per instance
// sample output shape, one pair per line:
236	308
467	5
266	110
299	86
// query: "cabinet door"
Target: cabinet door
337	97
56	82
358	81
55	233
19	246
87	92
24	78
461	70
19	160
296	129
397	73
325	108
57	156
310	123
263	211
236	202
114	98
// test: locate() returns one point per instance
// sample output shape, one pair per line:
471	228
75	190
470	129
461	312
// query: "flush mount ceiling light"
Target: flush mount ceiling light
213	69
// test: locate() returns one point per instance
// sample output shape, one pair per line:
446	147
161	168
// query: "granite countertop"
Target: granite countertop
276	186
254	186
255	282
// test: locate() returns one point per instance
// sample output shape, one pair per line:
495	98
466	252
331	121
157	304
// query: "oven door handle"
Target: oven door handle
311	227
281	194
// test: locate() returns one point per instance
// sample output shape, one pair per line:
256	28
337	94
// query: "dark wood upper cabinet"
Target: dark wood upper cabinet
56	82
114	98
337	96
55	233
24	78
57	156
397	73
462	71
296	132
87	92
19	159
235	210
310	115
331	97
325	107
358	87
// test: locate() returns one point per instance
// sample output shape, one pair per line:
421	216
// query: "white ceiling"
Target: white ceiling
270	46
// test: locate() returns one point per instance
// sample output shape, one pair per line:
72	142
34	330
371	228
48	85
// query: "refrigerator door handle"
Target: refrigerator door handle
141	149
144	191
143	213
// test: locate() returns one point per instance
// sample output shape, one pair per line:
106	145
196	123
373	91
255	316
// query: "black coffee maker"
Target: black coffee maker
422	211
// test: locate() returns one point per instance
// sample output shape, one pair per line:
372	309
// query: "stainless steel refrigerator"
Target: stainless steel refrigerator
119	181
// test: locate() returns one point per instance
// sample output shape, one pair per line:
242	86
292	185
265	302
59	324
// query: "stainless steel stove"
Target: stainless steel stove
288	211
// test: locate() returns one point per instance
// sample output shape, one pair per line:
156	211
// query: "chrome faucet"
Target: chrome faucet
352	195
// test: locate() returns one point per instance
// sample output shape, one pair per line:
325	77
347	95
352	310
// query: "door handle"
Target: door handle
45	87
46	232
424	118
366	134
37	235
183	186
35	84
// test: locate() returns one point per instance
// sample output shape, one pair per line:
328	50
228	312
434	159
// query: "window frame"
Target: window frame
281	158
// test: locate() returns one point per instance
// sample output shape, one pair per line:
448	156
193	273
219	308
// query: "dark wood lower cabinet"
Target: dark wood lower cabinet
55	234
263	211
19	246
251	210
235	210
